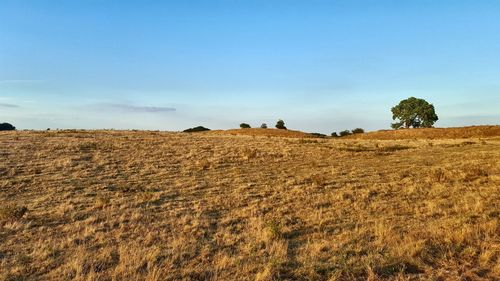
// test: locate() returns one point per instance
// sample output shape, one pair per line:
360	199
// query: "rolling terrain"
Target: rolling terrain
433	133
120	205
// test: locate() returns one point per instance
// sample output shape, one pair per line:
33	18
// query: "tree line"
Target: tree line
409	113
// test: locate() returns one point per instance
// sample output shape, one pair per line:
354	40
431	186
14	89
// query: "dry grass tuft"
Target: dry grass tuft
11	212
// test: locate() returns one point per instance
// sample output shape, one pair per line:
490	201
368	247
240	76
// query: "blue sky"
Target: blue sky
321	66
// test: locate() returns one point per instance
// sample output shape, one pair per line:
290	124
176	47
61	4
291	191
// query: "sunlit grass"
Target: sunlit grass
213	206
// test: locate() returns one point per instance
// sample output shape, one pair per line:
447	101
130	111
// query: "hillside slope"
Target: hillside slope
263	132
432	133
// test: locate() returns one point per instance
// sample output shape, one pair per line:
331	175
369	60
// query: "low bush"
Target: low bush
263	126
334	134
245	126
345	133
358	131
196	129
7	127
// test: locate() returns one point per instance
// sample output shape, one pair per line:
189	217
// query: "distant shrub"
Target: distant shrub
345	133
7	127
245	126
334	134
318	135
358	131
281	125
263	126
196	129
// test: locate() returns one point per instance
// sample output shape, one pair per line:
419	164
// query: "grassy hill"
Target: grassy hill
262	132
432	133
421	133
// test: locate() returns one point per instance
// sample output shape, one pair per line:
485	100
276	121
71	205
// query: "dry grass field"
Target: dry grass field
261	132
433	133
110	205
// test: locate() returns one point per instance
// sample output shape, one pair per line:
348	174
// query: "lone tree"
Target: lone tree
413	112
263	126
7	127
281	124
244	126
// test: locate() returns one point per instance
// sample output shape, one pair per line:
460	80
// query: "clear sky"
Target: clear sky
321	66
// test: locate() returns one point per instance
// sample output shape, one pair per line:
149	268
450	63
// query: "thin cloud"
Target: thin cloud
18	81
9	105
137	108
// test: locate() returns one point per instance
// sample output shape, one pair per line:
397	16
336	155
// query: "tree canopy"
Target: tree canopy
245	126
6	127
280	124
358	131
413	112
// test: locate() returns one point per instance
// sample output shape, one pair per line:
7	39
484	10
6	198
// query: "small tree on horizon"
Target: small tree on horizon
7	127
345	133
245	126
263	126
280	125
358	131
413	112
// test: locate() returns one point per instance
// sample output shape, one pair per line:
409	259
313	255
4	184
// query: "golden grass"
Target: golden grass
432	133
172	206
262	132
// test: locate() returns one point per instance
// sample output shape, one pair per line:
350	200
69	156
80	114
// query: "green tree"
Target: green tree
244	126
344	133
7	127
281	124
413	112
